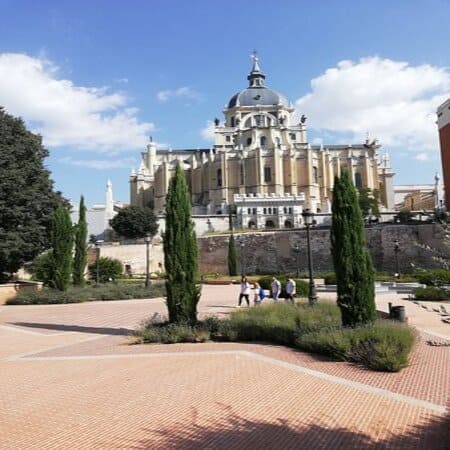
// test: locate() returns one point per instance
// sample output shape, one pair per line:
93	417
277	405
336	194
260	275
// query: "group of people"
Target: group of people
260	293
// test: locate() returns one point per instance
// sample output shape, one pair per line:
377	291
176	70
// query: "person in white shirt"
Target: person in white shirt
245	291
290	290
275	288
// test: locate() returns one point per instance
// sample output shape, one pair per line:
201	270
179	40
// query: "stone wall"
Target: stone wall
10	290
273	252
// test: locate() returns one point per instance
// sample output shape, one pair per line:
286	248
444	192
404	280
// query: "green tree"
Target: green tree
62	246
27	198
134	222
80	257
109	269
352	262
180	253
369	201
232	258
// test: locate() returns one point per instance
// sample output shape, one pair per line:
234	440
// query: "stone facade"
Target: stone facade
261	150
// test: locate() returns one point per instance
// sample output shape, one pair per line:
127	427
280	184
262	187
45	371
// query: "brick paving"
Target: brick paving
70	380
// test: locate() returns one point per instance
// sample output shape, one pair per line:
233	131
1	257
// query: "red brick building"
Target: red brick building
443	113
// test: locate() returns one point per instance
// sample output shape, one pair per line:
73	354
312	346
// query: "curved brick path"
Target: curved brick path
69	380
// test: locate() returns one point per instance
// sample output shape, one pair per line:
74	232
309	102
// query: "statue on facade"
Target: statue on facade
216	122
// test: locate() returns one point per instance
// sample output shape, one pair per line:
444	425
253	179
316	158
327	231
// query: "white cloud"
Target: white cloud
181	92
392	100
90	118
422	156
207	132
100	164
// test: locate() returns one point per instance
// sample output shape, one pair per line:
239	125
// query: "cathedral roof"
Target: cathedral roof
257	93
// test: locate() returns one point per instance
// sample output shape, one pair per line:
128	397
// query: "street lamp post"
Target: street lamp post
297	260
242	245
396	252
147	239
308	220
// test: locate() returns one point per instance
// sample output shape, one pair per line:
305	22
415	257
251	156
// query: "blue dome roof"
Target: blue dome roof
253	96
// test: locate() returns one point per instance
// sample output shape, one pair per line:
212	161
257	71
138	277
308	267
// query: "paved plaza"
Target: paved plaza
71	379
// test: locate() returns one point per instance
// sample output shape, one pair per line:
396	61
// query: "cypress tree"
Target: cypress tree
79	260
352	262
62	244
180	253
232	258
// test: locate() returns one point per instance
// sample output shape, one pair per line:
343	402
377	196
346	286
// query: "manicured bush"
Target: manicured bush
329	278
109	269
302	286
436	277
76	294
431	293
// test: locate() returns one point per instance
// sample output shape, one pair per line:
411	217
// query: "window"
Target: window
290	210
232	121
270	224
249	211
285	210
288	224
358	181
315	175
277	141
262	140
265	210
219	177
270	210
275	210
258	121
242	173
254	210
267	175
228	138
249	141
292	136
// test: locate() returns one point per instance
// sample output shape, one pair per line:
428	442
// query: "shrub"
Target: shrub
431	293
436	277
329	278
384	346
171	333
302	286
42	267
76	294
109	269
408	278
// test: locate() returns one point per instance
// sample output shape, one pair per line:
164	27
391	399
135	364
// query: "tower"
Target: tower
443	122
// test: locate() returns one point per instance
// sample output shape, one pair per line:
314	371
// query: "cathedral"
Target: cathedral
261	166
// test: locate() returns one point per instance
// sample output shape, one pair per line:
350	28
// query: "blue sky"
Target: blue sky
95	78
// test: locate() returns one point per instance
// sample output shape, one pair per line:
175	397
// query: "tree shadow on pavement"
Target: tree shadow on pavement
75	328
235	432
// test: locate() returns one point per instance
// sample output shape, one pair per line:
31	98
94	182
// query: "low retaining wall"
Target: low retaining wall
10	290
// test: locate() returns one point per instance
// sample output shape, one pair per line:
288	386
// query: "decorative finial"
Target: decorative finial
151	138
254	56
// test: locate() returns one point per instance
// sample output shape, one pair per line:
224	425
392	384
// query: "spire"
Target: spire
255	77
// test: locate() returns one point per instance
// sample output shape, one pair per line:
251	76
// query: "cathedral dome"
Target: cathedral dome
253	96
257	93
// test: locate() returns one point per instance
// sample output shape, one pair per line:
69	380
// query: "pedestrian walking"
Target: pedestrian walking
290	290
260	295
245	291
275	288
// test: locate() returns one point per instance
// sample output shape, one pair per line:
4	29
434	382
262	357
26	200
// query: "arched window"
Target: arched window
270	224
264	210
358	180
219	177
251	224
263	141
249	141
277	142
288	224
